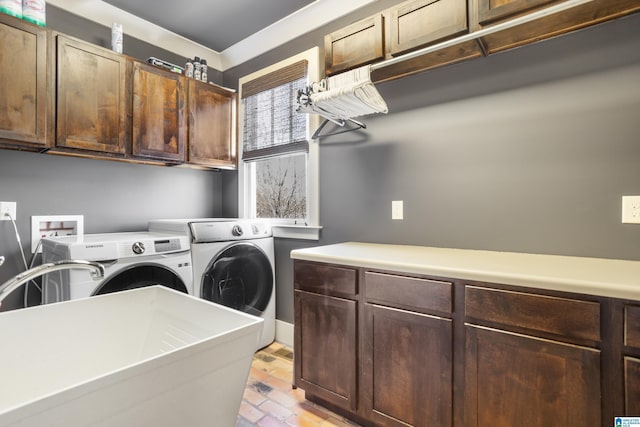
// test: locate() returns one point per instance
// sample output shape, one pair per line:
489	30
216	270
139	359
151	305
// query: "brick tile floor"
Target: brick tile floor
270	401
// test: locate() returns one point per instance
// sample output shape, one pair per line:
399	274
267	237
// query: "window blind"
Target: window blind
271	125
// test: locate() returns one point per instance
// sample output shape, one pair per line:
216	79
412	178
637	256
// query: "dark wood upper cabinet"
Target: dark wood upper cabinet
26	85
419	23
212	125
484	13
416	24
497	10
91	97
159	119
360	43
408	26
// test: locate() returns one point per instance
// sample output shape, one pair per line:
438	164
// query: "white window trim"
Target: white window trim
287	228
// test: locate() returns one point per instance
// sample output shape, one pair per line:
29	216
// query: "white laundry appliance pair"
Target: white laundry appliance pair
230	262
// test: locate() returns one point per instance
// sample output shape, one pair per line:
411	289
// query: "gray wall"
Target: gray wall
528	150
112	196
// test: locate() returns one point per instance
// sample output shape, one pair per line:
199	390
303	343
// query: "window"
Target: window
278	166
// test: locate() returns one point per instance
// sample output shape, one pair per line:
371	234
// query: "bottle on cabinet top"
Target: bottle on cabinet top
34	11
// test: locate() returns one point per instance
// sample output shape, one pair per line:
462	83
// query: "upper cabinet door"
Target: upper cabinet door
495	10
91	97
212	125
484	13
417	23
26	109
159	121
358	44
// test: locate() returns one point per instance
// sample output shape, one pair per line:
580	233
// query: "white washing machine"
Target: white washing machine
131	260
233	265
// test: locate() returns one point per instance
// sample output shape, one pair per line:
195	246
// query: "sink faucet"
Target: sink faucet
97	271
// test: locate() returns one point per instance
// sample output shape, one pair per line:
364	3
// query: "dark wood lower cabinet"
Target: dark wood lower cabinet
407	368
327	337
632	386
400	350
512	379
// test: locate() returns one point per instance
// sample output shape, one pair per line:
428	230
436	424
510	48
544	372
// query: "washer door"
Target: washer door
239	277
140	276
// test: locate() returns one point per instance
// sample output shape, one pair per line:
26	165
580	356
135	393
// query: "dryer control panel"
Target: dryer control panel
225	231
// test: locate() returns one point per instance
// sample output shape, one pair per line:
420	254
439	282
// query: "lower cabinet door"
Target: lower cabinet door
407	368
513	379
632	386
326	348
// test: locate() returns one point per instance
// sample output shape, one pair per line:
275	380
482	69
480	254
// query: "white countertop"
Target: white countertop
592	276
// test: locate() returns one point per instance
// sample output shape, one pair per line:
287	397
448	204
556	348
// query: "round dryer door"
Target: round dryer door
239	277
140	276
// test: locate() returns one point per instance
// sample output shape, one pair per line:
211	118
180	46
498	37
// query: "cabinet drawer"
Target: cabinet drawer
409	292
632	326
570	318
325	279
417	23
358	44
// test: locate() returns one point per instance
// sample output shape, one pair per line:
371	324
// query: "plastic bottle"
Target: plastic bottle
34	11
197	68
203	70
11	7
188	68
116	37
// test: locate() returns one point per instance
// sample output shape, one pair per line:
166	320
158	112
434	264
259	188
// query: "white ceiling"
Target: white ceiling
226	32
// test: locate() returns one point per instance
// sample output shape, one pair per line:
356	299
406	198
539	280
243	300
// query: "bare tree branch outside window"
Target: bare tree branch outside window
281	187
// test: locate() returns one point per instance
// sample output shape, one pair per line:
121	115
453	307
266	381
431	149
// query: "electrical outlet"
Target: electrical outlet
397	209
7	208
631	209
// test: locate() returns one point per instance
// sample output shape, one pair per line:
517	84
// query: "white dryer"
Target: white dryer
131	260
233	265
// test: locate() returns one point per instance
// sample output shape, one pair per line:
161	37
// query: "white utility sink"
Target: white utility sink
145	357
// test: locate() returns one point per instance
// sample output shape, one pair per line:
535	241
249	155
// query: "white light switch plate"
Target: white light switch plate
397	209
631	209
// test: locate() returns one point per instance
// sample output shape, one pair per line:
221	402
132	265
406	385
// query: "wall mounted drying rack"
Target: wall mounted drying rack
306	105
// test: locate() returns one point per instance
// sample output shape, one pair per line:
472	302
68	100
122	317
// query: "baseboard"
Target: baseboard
284	333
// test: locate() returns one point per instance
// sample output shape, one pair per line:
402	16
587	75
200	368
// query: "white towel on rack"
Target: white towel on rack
349	94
